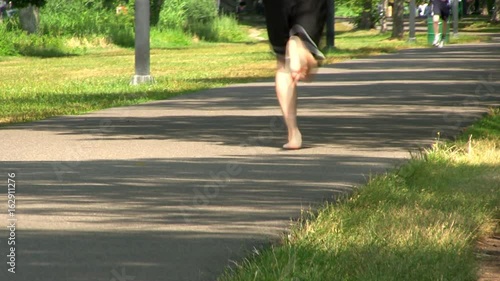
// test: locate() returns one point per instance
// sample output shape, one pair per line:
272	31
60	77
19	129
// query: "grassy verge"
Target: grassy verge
34	88
37	88
419	223
479	24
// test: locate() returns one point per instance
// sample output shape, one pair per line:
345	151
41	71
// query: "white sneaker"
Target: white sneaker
440	44
437	40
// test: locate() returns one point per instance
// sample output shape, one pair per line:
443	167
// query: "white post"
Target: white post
455	17
142	46
412	20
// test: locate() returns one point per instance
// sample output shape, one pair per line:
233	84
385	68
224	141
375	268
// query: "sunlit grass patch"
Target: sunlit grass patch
419	222
483	26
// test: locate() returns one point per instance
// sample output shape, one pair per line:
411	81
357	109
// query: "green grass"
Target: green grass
37	88
366	43
481	26
420	222
488	127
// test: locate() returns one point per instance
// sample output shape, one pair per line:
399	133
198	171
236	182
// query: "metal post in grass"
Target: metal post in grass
413	9
455	17
142	47
330	24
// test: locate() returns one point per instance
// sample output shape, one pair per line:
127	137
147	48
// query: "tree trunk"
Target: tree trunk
483	7
366	21
397	20
29	18
383	18
495	17
155	11
330	24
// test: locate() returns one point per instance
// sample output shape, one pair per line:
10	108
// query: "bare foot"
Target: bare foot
301	62
294	141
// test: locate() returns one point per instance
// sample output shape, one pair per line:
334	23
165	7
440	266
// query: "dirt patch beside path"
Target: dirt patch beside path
489	252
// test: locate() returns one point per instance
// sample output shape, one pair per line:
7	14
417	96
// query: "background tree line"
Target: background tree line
50	20
365	12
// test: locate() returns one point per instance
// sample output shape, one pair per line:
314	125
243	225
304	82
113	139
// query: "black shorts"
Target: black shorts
441	8
304	18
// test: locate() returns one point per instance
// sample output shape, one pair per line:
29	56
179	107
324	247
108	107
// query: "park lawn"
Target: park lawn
479	25
34	88
37	88
420	222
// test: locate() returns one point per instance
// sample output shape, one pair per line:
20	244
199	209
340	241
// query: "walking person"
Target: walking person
294	28
441	9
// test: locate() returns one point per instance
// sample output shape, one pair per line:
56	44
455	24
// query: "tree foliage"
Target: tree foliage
366	20
25	3
184	14
364	12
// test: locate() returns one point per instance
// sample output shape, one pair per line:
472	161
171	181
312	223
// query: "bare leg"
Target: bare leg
299	66
286	91
436	29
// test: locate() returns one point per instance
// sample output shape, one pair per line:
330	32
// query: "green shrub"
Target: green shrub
73	18
40	45
187	14
229	30
121	30
222	29
122	35
169	38
347	10
87	19
20	43
199	17
82	18
7	47
201	11
173	15
12	24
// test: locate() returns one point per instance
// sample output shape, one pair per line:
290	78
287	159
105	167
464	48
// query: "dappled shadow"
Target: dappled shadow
407	130
141	255
397	101
166	219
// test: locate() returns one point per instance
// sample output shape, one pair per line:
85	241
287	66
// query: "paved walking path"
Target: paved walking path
179	189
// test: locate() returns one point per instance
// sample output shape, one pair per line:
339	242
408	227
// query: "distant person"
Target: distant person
10	9
294	29
428	9
3	8
441	9
422	10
